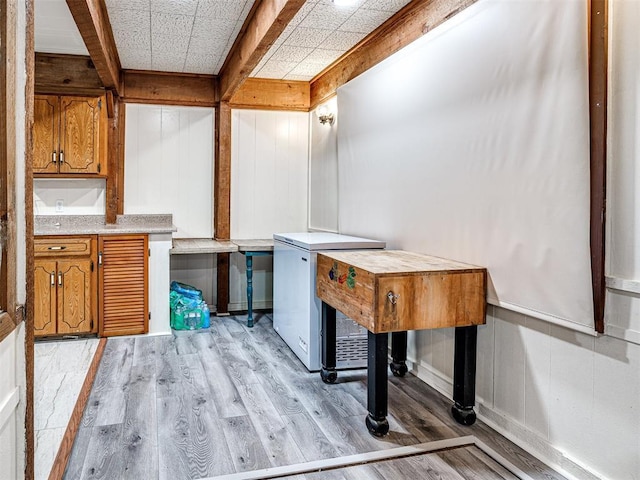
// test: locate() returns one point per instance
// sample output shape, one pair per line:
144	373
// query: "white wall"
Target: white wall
323	171
159	246
623	202
571	398
269	176
83	196
169	165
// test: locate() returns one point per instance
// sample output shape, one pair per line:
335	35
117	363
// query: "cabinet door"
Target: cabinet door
46	122
80	135
44	322
74	281
124	300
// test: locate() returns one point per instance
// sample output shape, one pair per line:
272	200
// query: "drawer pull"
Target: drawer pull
393	298
58	248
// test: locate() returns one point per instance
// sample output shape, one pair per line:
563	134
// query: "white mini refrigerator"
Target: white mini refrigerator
297	310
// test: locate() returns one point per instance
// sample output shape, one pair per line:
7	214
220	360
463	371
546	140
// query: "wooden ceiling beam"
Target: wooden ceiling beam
93	22
263	26
410	23
161	88
269	94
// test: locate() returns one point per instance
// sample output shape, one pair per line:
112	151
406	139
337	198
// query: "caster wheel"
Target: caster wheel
464	416
399	369
328	376
377	428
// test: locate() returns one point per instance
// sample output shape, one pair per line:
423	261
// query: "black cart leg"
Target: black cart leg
398	363
464	375
377	351
328	372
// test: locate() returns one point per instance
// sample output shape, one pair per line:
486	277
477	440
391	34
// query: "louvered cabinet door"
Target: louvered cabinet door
75	286
44	318
46	122
123	286
80	135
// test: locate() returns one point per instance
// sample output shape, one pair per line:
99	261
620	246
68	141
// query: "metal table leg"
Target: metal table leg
249	260
377	388
464	375
398	363
328	371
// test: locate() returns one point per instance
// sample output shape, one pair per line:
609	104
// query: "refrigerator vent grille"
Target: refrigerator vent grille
352	350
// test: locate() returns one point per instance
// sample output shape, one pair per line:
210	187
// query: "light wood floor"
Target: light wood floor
232	399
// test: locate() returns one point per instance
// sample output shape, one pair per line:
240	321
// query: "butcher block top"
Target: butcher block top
392	290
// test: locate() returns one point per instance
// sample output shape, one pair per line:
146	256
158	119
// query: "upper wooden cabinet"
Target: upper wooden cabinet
69	135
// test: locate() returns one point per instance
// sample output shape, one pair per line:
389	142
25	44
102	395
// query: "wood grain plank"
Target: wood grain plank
310	439
271	94
598	80
162	88
93	23
262	27
139	429
416	19
277	442
66	74
244	444
101	459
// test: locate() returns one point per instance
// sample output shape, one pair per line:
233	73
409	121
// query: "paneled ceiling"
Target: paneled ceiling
195	36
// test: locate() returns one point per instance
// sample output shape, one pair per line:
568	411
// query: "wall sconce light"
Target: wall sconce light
325	115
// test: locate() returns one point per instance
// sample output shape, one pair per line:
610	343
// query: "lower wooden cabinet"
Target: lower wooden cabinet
65	286
123	284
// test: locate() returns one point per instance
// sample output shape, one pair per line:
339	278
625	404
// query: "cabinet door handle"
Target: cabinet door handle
99	258
58	248
54	157
53	278
61	156
60	278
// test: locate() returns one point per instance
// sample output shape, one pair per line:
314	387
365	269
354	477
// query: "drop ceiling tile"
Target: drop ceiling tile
169	45
339	40
205	26
364	21
325	16
227	9
182	7
167	63
275	69
302	78
322	56
215	42
129	4
135	59
126	20
174	25
132	40
302	13
306	69
307	37
290	54
201	63
391	6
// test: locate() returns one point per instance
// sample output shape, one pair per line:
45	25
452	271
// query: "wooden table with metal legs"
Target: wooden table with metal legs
393	292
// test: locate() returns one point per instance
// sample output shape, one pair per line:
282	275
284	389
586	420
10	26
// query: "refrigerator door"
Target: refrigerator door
294	303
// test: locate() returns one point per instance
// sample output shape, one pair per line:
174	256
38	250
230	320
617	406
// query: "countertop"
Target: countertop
96	225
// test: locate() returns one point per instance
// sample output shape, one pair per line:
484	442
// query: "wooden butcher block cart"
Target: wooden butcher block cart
396	291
